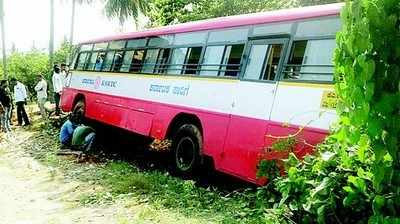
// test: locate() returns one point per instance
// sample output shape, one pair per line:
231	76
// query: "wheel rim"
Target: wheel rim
185	154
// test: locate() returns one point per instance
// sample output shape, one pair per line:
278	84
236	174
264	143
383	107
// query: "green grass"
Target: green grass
120	180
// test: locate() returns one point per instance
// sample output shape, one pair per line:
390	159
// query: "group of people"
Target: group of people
19	95
74	135
6	104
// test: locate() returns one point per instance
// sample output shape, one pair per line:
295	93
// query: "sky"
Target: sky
27	23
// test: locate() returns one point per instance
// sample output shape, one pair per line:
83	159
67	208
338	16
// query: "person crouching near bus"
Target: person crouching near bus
67	130
74	136
41	93
5	101
83	139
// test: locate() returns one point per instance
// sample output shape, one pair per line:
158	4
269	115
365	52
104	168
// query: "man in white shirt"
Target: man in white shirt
20	97
58	85
64	74
41	90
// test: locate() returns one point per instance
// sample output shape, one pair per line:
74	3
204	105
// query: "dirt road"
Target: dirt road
31	193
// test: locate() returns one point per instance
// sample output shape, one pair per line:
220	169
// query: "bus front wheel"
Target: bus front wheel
80	109
186	147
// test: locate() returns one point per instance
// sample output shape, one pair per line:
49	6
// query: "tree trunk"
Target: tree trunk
71	34
3	41
51	39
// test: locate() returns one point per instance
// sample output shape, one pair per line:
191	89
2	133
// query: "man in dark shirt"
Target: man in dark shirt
5	101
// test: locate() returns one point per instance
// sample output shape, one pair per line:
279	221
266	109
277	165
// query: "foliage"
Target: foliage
166	12
367	68
62	53
25	66
123	9
354	178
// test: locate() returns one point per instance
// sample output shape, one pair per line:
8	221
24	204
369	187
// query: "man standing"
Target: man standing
5	100
65	74
41	90
58	85
20	97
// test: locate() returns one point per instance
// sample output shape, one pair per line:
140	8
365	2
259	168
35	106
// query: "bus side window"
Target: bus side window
311	60
132	61
192	60
81	61
117	63
137	61
212	60
263	62
108	61
92	61
126	61
150	60
99	61
177	60
232	59
162	60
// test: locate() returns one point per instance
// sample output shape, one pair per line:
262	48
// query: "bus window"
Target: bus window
86	47
126	61
162	60
233	56
272	63
81	61
192	60
177	60
136	43
117	63
92	61
150	61
311	61
108	61
100	46
263	62
116	45
99	61
212	60
137	61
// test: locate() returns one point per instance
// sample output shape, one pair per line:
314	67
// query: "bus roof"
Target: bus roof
231	21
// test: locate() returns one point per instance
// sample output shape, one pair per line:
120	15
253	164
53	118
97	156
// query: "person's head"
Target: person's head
13	81
63	66
39	77
56	69
76	117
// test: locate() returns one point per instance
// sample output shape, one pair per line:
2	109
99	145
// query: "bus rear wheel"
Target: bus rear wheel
186	147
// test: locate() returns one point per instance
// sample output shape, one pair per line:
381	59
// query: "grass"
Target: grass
153	193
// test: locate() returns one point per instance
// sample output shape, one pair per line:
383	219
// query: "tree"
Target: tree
3	41
123	9
63	52
164	12
51	38
72	27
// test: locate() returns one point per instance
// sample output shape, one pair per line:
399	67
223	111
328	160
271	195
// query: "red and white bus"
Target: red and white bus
220	89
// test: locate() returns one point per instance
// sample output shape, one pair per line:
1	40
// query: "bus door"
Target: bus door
305	99
251	109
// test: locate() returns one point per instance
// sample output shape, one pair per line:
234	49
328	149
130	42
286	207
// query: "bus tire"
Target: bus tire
80	106
186	147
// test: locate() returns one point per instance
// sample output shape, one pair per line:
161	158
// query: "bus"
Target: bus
221	90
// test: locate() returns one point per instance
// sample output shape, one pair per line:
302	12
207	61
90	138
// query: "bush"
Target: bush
355	176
